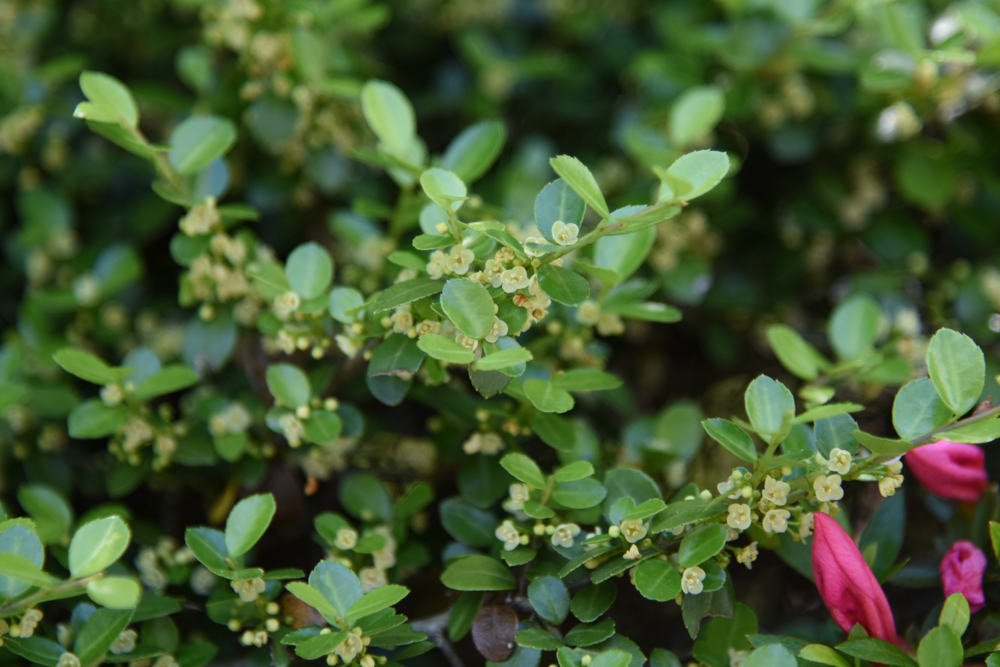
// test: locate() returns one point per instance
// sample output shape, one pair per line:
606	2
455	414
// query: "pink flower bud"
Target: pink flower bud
962	570
846	583
950	469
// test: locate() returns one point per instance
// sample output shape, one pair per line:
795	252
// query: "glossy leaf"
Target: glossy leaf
478	573
563	285
957	369
309	270
470	306
732	437
578	177
97	545
198	141
247	523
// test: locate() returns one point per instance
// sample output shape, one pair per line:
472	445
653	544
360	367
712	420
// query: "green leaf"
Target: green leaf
918	410
337	584
478	573
503	359
884	447
876	650
376	600
208	546
663	658
563	285
52	514
313	598
854	326
577	176
555	431
703	170
115	592
732	437
614	658
344	300
657	580
309	270
97	545
574	471
794	353
589	634
99	633
85	366
475	149
645	509
524	469
406	292
579	494
557	202
586	379
824	655
695	113
21	569
467	523
444	188
110	100
549	598
389	114
166	381
19	539
37	650
701	544
885	531
592	602
647	311
198	141
624	254
289	385
320	645
770	407
247	523
696	607
498	232
364	495
547	397
470	306
986	430
827	411
323	427
397	353
774	655
92	419
955	614
537	638
445	349
835	433
432	241
940	647
957	369
721	635
463	614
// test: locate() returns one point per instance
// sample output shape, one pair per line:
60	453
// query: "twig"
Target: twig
436	628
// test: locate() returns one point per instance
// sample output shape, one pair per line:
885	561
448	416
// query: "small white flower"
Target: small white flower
828	488
491	444
538	241
437	265
739	516
840	461
589	312
507	533
747	555
691	580
564	534
346	539
286	304
514	279
493	272
518	494
633	530
776	492
469	344
632	553
372	578
805	526
564	234
776	521
499	329
459	259
887	486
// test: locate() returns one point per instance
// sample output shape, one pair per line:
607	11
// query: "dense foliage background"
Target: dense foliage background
858	212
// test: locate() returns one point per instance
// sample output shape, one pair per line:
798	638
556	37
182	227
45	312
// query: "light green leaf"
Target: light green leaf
376	600
557	202
524	469
503	359
444	188
21	569
344	300
574	471
774	655
115	592
199	140
470	306
940	647
624	254
473	152
52	514
85	366
99	633
795	353
288	384
406	292
955	613
19	539
976	433
732	437
547	397
97	545
247	522
577	176
445	349
563	285
309	270
703	170
695	113
821	412
313	598
658	580
93	419
918	410
364	495
389	114
580	493
824	655
884	447
770	407
854	326
110	100
478	573
338	584
586	379
647	311
166	381
876	650
957	369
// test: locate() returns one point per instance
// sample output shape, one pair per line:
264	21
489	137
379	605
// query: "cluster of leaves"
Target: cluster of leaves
470	344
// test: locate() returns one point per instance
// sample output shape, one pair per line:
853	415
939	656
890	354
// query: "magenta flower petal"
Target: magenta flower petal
950	469
962	570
